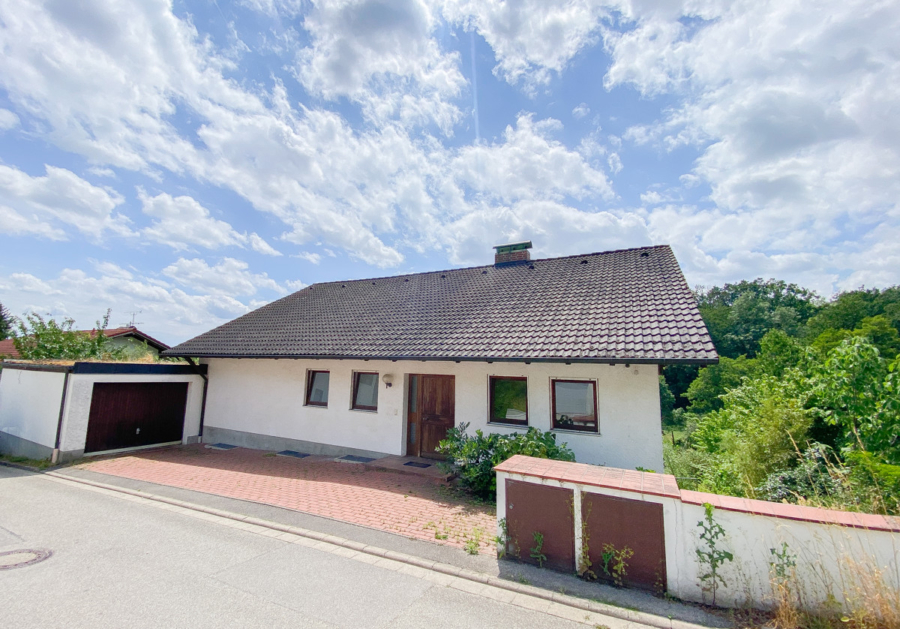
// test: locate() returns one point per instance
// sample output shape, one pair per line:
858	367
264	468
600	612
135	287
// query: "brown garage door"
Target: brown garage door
546	510
625	523
129	415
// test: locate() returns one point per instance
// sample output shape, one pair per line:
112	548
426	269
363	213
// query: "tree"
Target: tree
857	390
847	310
756	433
715	380
739	315
40	339
666	402
6	323
878	330
779	352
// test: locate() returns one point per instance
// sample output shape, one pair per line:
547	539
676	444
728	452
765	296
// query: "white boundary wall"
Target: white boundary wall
830	553
266	397
29	405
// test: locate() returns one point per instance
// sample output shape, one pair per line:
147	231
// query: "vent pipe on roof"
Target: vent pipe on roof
512	253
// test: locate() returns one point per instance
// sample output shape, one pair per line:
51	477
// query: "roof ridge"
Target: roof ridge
484	266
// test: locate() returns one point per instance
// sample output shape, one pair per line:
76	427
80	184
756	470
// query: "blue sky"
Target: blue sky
194	160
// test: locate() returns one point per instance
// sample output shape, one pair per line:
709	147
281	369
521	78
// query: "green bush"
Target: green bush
473	458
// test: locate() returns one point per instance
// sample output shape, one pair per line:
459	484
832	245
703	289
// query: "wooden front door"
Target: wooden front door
432	401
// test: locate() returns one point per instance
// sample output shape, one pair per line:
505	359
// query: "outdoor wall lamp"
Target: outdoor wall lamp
388	380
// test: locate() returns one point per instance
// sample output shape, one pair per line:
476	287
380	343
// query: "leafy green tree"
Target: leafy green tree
779	352
678	379
715	380
6	323
40	339
878	330
757	432
847	310
739	315
857	390
666	402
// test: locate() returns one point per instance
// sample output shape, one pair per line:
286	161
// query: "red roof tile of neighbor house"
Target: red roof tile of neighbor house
626	306
8	349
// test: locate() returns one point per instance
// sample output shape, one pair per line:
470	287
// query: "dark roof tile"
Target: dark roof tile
620	306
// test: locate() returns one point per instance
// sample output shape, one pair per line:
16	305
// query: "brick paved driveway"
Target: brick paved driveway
413	506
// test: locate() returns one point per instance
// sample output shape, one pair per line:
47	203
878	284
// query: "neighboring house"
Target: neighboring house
388	365
124	338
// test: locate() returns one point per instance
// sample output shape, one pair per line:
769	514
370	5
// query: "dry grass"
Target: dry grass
870	602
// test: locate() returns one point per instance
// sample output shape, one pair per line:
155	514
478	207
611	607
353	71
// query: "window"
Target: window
365	391
317	388
509	401
574	405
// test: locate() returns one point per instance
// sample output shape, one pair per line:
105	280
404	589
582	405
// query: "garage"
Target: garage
135	414
63	410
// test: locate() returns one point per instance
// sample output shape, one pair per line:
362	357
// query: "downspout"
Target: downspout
54	457
205	386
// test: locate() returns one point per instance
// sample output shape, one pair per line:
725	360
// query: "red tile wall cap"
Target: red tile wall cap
649	483
870	521
592	475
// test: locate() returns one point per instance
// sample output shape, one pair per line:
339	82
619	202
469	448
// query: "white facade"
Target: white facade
266	397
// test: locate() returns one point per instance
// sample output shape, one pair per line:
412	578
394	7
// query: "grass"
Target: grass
41	464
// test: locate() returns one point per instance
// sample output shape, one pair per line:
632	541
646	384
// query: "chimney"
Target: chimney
513	253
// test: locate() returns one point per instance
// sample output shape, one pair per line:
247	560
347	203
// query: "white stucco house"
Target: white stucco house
385	366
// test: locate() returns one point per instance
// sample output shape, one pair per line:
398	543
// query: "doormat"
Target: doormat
296	455
221	446
352	458
417	464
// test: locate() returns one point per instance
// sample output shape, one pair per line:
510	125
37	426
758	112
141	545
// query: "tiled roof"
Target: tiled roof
7	349
614	306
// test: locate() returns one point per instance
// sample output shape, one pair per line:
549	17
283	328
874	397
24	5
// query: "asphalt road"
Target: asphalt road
118	563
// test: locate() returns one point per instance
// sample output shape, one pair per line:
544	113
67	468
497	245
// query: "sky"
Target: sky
184	162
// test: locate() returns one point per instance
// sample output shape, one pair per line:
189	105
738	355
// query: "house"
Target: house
120	338
387	365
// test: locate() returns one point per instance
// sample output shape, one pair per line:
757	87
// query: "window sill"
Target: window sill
324	408
587	433
365	410
502	425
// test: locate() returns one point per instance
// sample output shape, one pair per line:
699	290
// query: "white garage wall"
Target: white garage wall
266	397
78	404
29	404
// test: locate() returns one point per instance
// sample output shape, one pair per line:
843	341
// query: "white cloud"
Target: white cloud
169	314
259	245
309	256
229	277
529	163
296	285
183	223
110	269
531	39
555	229
581	111
8	120
794	118
36	205
381	53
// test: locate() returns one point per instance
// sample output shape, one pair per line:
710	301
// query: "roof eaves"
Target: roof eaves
617	360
